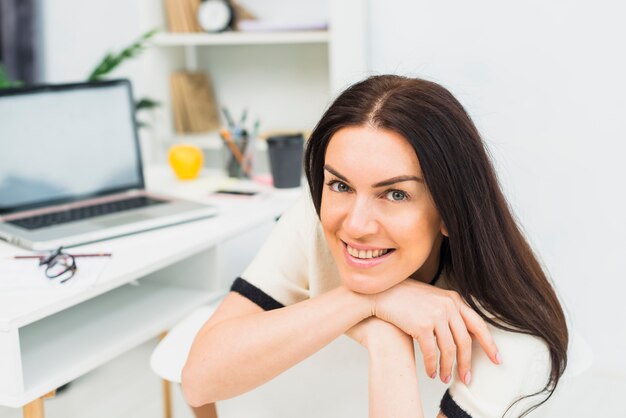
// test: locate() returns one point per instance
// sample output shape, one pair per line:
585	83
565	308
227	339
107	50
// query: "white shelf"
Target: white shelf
208	140
241	38
60	348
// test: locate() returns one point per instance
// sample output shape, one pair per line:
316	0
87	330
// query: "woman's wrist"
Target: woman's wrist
360	303
393	388
386	339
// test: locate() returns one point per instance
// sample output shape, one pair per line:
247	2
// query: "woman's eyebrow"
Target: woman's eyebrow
397	179
383	183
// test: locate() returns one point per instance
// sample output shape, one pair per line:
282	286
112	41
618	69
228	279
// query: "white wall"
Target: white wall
544	81
77	34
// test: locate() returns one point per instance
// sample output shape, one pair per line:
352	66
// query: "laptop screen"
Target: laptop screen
63	143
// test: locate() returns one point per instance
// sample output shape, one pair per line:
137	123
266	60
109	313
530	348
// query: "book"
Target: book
182	15
193	102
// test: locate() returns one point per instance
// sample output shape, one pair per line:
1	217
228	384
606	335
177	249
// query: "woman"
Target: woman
406	237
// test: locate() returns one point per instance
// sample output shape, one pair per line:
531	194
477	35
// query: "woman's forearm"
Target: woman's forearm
241	353
393	387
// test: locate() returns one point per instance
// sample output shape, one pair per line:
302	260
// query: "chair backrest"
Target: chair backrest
331	384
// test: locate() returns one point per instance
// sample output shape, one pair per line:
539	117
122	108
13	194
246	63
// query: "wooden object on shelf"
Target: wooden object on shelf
193	102
182	15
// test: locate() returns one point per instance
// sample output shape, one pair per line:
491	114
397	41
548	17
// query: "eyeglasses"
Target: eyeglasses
59	265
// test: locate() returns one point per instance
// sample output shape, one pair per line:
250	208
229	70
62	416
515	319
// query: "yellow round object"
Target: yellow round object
186	161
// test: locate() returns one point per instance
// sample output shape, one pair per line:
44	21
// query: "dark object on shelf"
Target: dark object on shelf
20	53
216	16
285	152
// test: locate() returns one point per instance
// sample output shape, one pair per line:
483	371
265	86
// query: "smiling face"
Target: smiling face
378	216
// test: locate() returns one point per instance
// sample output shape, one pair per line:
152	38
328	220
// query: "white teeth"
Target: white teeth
364	254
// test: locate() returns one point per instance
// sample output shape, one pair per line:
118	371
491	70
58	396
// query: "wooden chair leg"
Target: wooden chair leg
35	409
205	411
167	399
167	390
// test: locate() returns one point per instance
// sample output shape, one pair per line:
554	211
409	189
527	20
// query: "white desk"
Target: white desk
50	337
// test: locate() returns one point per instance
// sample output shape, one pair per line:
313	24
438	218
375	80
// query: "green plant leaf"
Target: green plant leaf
5	81
146	103
112	60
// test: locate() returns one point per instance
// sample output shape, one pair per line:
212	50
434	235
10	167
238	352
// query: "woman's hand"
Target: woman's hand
436	318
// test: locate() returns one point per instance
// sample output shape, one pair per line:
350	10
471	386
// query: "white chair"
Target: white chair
169	357
331	383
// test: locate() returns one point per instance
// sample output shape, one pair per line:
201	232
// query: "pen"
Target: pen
249	152
244	115
255	130
15	257
229	118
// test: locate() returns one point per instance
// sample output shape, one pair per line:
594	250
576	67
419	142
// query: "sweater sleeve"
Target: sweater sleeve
494	388
277	275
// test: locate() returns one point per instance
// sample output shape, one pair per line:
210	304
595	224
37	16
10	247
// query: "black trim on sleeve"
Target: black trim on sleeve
256	295
450	408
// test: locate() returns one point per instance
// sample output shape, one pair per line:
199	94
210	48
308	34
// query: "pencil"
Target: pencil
16	257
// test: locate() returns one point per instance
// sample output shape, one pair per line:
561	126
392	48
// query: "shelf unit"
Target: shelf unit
240	38
58	348
285	79
209	141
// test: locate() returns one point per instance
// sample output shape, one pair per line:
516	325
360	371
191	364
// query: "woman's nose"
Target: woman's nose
361	219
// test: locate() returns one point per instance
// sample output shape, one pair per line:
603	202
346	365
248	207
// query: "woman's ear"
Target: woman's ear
443	229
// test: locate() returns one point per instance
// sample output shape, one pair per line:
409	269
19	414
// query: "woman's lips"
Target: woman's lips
364	262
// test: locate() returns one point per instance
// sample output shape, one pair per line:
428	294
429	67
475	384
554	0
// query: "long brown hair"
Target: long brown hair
485	256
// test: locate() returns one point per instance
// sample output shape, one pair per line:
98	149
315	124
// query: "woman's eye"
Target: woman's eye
339	186
396	195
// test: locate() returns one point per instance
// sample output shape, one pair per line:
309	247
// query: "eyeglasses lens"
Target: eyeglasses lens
62	268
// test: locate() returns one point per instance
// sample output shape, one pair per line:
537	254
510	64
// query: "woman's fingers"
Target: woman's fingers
428	347
463	343
478	328
447	350
441	322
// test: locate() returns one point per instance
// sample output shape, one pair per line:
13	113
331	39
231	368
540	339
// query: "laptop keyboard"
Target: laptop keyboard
56	218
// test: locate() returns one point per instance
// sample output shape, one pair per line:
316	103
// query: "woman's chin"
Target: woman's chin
364	284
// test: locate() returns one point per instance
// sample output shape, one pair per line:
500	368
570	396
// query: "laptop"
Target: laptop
71	171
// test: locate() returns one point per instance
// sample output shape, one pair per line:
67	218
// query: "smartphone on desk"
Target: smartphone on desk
240	193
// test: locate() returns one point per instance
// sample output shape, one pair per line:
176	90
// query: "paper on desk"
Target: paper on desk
27	274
